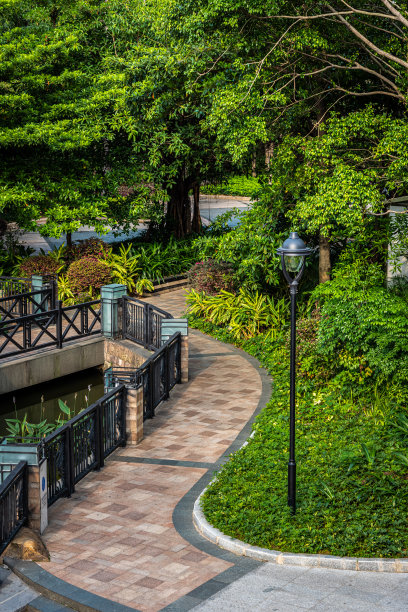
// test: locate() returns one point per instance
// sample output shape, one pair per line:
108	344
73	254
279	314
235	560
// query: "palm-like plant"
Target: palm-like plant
245	314
124	266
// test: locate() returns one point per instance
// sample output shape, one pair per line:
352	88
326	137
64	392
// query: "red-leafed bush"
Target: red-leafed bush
92	247
211	276
39	264
86	273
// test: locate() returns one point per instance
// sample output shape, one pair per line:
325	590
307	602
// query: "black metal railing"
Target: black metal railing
81	445
157	375
13	503
30	302
141	322
49	329
13	285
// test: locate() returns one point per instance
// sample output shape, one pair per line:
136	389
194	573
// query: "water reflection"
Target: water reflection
41	401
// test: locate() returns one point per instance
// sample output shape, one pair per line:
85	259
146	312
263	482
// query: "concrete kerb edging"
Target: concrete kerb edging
237	547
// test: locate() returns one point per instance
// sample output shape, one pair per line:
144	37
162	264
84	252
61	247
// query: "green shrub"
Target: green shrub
251	245
88	275
245	186
40	264
211	276
158	260
363	324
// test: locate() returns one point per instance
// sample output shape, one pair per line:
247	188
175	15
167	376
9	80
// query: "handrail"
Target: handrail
13	503
151	306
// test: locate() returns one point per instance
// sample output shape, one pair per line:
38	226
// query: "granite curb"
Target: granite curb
237	547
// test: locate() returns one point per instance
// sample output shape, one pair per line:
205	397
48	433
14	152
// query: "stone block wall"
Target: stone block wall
124	354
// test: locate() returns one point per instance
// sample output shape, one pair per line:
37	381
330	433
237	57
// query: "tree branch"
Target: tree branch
368	42
394	11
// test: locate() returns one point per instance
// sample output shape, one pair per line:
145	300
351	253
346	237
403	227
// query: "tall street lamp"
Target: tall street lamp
293	255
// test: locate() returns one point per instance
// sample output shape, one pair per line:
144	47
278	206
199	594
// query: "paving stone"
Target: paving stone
124	513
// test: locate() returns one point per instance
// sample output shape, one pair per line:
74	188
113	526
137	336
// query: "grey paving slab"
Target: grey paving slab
285	588
14	593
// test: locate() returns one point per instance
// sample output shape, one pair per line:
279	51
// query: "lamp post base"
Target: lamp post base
292	486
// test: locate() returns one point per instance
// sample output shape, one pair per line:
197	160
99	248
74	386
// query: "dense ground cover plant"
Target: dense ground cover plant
211	276
352	463
169	258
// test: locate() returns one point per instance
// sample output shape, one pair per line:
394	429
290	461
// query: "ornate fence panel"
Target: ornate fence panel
80	320
56	449
12	285
13	503
114	421
31	302
142	322
47	329
82	444
157	375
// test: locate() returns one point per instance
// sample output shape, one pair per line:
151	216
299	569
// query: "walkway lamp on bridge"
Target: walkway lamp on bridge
293	255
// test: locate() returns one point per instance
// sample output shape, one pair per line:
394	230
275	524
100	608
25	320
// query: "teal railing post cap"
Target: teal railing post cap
113	291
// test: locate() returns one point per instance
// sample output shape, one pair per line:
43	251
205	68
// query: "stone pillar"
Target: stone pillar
134	416
170	327
111	296
36	285
37	496
184	359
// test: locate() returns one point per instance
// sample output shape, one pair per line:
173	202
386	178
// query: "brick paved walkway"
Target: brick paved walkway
115	536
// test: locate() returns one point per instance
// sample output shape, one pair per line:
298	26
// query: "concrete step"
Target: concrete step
51	594
14	593
42	604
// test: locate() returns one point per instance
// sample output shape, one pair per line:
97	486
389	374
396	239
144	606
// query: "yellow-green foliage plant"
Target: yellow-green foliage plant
124	267
245	314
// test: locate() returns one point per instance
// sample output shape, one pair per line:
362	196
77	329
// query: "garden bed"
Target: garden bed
351	474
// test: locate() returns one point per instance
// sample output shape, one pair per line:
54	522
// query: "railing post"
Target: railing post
54	294
37	496
101	441
133	407
146	325
59	324
166	372
170	327
151	388
70	464
37	285
111	296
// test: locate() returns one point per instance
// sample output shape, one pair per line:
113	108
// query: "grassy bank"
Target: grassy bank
352	469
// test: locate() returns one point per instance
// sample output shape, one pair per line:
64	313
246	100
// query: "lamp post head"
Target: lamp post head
293	253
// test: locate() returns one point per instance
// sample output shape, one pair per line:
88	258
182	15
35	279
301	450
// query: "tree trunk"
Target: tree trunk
178	216
69	240
254	163
324	244
196	223
324	260
268	154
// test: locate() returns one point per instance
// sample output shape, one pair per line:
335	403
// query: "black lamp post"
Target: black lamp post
293	254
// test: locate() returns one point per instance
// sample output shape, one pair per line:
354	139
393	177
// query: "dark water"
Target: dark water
76	390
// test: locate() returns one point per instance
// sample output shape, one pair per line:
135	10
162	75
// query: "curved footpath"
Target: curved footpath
127	534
